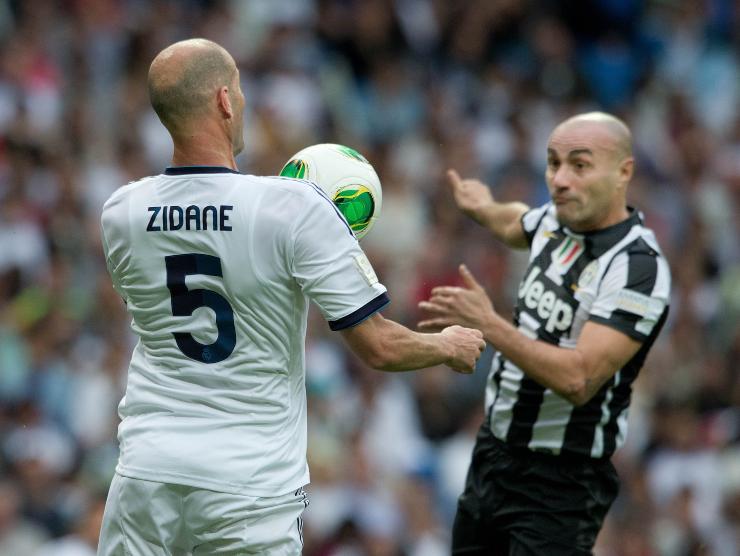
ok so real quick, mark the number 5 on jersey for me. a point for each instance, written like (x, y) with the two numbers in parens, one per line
(185, 302)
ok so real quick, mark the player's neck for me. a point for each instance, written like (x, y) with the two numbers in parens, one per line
(203, 151)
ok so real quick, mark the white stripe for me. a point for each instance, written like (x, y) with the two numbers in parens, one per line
(552, 420)
(597, 448)
(528, 325)
(502, 410)
(491, 389)
(531, 217)
(549, 224)
(622, 428)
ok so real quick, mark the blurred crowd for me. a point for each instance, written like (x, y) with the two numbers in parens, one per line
(417, 86)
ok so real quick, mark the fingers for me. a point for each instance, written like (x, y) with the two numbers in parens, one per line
(434, 306)
(445, 291)
(469, 279)
(453, 178)
(432, 325)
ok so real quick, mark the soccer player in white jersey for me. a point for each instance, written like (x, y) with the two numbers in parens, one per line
(217, 269)
(590, 305)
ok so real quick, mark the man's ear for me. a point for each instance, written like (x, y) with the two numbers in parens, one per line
(224, 102)
(626, 170)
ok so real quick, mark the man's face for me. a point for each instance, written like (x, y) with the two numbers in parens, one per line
(583, 175)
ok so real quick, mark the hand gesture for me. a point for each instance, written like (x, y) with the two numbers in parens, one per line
(467, 344)
(467, 306)
(471, 196)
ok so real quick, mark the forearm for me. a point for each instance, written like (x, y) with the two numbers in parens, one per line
(388, 346)
(504, 221)
(402, 349)
(562, 370)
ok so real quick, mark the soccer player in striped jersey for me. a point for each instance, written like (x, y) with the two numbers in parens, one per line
(217, 268)
(590, 305)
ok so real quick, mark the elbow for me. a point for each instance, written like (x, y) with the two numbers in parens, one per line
(578, 388)
(577, 397)
(578, 392)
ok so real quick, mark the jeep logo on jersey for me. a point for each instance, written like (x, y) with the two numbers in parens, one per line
(555, 313)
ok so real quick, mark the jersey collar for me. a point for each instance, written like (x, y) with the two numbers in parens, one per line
(182, 170)
(600, 241)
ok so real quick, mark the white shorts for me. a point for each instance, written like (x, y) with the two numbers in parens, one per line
(145, 518)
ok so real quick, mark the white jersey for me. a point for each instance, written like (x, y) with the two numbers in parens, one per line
(216, 269)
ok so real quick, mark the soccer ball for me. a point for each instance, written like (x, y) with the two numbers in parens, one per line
(346, 177)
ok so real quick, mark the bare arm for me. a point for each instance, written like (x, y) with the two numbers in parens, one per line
(474, 198)
(575, 374)
(388, 346)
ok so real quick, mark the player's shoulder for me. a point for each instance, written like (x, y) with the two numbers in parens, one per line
(295, 196)
(541, 217)
(121, 194)
(644, 243)
(300, 188)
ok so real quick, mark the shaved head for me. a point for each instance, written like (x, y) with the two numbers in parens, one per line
(184, 79)
(611, 125)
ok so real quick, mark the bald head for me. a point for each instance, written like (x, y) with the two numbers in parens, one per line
(184, 79)
(617, 131)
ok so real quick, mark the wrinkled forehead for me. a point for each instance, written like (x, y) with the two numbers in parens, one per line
(583, 137)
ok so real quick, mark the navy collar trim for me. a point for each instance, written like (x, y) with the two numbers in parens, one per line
(182, 170)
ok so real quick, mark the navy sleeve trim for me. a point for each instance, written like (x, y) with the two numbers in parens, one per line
(356, 317)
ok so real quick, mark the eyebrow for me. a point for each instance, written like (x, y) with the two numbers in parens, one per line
(574, 152)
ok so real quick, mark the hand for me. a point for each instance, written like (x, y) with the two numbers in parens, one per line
(468, 306)
(471, 196)
(466, 344)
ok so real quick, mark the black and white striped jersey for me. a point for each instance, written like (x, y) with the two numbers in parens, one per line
(616, 276)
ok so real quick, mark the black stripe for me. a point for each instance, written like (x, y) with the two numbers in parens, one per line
(620, 401)
(637, 247)
(579, 432)
(525, 411)
(182, 170)
(356, 317)
(622, 321)
(642, 272)
(497, 380)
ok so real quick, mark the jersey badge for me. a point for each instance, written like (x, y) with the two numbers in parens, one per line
(366, 269)
(588, 274)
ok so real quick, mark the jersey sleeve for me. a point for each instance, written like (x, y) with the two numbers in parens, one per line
(105, 222)
(633, 294)
(531, 221)
(331, 268)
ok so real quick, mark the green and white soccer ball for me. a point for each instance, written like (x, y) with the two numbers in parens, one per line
(346, 177)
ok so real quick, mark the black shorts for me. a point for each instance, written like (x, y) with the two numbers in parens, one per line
(519, 502)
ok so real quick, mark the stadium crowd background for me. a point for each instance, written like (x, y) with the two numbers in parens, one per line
(417, 86)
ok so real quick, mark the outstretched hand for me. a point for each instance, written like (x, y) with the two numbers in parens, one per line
(471, 196)
(467, 306)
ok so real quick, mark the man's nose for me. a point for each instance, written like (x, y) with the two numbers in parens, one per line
(560, 179)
